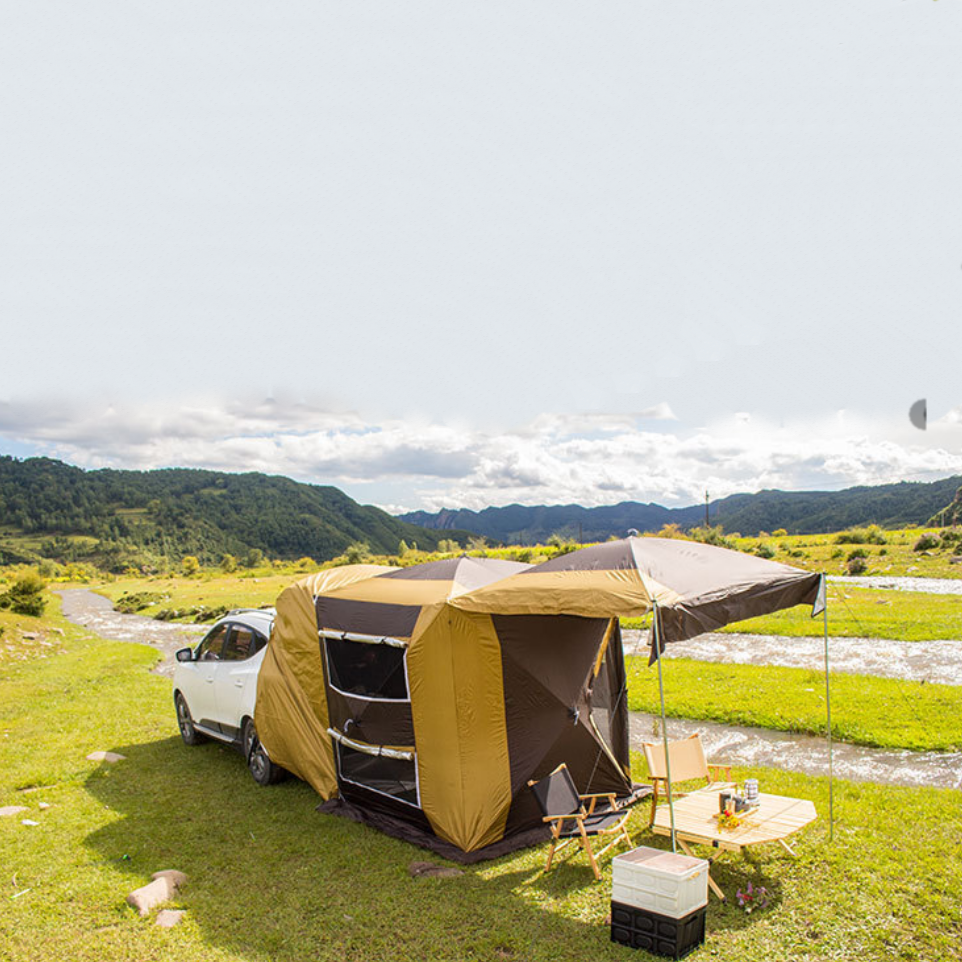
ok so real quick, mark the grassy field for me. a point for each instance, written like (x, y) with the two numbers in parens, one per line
(272, 880)
(882, 712)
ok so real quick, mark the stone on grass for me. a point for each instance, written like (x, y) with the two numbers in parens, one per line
(12, 810)
(168, 918)
(105, 757)
(433, 870)
(28, 821)
(43, 806)
(154, 893)
(29, 636)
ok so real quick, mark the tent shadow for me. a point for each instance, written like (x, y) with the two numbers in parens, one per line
(269, 877)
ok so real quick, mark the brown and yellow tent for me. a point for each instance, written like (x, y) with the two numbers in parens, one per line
(426, 720)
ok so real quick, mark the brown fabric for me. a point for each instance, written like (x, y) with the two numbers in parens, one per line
(366, 617)
(550, 691)
(370, 721)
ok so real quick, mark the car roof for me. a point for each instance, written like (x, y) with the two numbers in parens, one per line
(259, 618)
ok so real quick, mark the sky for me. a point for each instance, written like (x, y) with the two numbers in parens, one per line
(467, 254)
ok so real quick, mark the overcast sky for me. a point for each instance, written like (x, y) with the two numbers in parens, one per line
(446, 254)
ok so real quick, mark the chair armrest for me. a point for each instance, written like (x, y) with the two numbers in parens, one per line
(715, 769)
(562, 818)
(594, 800)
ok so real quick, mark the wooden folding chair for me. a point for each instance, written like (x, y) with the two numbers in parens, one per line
(564, 809)
(687, 758)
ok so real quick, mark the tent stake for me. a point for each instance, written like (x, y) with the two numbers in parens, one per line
(664, 725)
(828, 712)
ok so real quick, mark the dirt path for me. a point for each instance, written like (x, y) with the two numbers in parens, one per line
(935, 662)
(807, 754)
(932, 586)
(84, 607)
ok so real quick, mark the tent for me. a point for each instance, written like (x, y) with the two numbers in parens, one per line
(427, 719)
(689, 587)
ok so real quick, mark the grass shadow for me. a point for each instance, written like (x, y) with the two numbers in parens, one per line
(271, 878)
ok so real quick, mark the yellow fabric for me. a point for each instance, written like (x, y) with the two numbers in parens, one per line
(457, 701)
(291, 708)
(589, 593)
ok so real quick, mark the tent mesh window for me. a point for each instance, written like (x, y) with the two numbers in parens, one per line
(389, 776)
(366, 669)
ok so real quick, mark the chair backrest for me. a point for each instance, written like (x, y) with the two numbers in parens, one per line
(556, 793)
(687, 757)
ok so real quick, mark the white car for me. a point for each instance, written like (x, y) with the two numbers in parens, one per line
(215, 686)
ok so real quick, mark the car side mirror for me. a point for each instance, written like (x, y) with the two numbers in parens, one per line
(185, 654)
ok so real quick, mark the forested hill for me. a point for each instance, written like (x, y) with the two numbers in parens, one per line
(115, 518)
(799, 512)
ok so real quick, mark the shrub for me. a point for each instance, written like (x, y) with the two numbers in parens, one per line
(712, 535)
(779, 533)
(25, 595)
(228, 563)
(856, 565)
(670, 530)
(765, 551)
(926, 542)
(357, 553)
(857, 553)
(253, 558)
(448, 546)
(304, 563)
(873, 534)
(837, 553)
(189, 565)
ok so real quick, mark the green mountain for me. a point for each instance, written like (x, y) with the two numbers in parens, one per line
(799, 512)
(116, 518)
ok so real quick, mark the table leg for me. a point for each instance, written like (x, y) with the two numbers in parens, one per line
(711, 881)
(788, 848)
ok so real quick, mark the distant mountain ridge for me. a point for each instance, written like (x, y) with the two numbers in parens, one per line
(49, 509)
(799, 512)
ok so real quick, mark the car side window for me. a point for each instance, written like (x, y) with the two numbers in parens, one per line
(212, 647)
(241, 644)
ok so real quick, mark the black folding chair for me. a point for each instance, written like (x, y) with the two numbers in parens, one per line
(564, 808)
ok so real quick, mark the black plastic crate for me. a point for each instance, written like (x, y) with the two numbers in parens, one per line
(655, 933)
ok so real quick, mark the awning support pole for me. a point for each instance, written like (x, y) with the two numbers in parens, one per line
(828, 712)
(664, 723)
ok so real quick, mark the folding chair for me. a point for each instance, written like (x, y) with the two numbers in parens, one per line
(564, 808)
(687, 758)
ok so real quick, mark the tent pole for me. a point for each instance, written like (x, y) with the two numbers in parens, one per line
(664, 725)
(828, 712)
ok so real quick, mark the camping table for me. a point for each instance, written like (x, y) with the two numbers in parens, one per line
(775, 818)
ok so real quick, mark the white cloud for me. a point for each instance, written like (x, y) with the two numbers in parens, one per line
(587, 459)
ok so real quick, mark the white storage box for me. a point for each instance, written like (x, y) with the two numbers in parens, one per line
(662, 882)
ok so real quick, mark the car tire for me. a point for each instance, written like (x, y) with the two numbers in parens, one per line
(185, 722)
(262, 769)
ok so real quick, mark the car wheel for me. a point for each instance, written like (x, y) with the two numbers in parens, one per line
(185, 723)
(262, 769)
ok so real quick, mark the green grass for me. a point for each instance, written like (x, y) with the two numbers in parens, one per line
(270, 879)
(882, 712)
(861, 612)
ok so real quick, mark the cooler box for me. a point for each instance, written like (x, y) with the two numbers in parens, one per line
(662, 882)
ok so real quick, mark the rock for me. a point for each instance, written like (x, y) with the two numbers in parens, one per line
(432, 870)
(43, 806)
(168, 918)
(57, 631)
(160, 890)
(29, 636)
(28, 821)
(956, 559)
(105, 757)
(12, 810)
